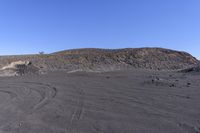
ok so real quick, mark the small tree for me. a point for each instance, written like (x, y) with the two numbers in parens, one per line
(41, 53)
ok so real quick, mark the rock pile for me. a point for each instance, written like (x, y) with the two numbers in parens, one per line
(19, 68)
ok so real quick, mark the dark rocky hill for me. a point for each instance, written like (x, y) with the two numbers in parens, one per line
(108, 59)
(147, 58)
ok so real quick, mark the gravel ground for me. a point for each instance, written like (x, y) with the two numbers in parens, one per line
(134, 101)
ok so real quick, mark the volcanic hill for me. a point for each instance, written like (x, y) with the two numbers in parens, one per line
(92, 59)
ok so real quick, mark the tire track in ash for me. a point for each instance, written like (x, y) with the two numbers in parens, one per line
(78, 112)
(11, 94)
(23, 91)
(47, 93)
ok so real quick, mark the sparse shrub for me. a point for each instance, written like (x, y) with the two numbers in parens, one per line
(41, 52)
(162, 58)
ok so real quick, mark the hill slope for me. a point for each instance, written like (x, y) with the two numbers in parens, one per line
(148, 58)
(108, 59)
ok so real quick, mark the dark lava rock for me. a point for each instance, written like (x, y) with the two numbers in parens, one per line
(172, 85)
(195, 68)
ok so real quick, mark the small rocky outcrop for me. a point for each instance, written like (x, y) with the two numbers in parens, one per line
(19, 68)
(195, 68)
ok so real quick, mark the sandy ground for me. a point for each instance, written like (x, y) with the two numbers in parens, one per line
(135, 101)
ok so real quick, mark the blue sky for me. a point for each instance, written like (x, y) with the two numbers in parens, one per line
(30, 26)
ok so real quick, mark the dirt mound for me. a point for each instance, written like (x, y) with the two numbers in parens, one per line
(17, 64)
(19, 68)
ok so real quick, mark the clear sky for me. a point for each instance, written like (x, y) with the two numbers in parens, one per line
(30, 26)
